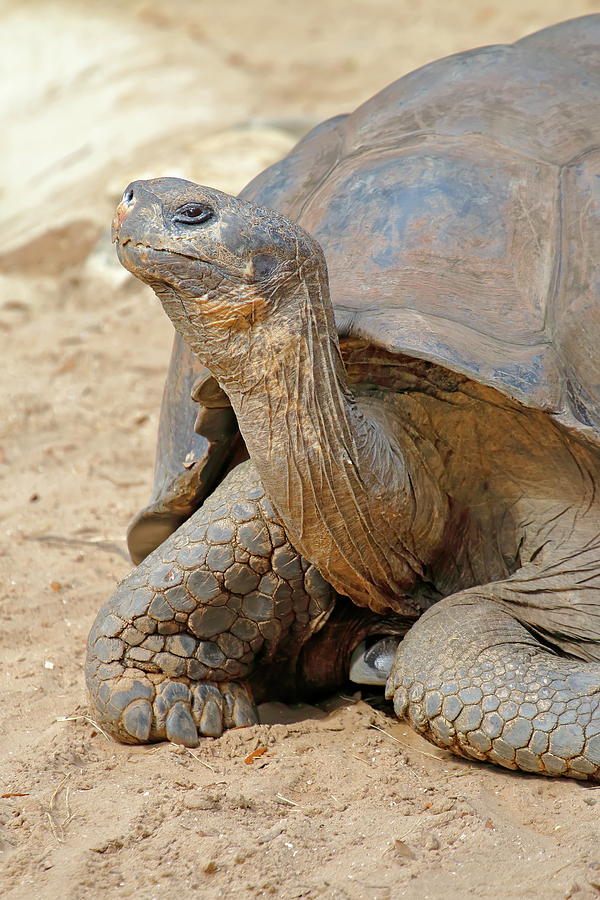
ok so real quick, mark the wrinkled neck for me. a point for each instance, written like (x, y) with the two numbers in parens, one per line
(336, 479)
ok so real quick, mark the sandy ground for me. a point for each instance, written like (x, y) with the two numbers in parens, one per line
(344, 802)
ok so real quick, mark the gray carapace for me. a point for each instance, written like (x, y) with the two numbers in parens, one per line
(446, 206)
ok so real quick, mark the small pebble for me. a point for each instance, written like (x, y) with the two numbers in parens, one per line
(432, 842)
(198, 800)
(273, 832)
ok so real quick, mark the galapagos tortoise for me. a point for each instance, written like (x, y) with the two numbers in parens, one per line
(424, 464)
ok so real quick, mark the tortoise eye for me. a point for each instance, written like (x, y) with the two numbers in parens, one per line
(193, 213)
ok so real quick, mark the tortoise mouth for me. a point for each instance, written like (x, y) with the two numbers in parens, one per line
(139, 256)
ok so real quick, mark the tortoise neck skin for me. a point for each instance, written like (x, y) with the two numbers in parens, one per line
(248, 291)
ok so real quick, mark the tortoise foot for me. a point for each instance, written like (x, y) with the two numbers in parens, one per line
(471, 679)
(169, 652)
(136, 709)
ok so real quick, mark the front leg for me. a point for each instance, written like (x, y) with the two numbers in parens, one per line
(473, 680)
(169, 653)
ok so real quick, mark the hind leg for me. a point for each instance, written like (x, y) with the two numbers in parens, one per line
(169, 654)
(472, 679)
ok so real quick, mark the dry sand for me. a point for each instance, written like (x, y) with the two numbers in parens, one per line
(345, 802)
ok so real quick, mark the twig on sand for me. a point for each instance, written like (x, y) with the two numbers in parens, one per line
(58, 828)
(110, 546)
(404, 744)
(87, 719)
(201, 761)
(285, 800)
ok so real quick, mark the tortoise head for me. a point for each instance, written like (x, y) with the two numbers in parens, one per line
(221, 267)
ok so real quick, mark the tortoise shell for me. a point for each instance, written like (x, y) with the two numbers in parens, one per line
(459, 213)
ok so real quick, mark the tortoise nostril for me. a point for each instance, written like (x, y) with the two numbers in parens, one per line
(128, 195)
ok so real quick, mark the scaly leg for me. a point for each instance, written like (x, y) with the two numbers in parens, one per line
(472, 679)
(168, 653)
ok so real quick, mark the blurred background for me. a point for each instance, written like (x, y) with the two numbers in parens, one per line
(95, 93)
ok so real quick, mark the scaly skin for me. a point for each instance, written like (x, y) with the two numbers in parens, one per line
(168, 652)
(471, 679)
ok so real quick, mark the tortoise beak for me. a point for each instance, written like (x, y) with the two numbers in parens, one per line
(118, 221)
(124, 207)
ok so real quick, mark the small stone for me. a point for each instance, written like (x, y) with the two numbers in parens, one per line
(272, 833)
(200, 800)
(402, 851)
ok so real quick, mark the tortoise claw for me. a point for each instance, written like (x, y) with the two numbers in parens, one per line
(180, 727)
(137, 720)
(137, 711)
